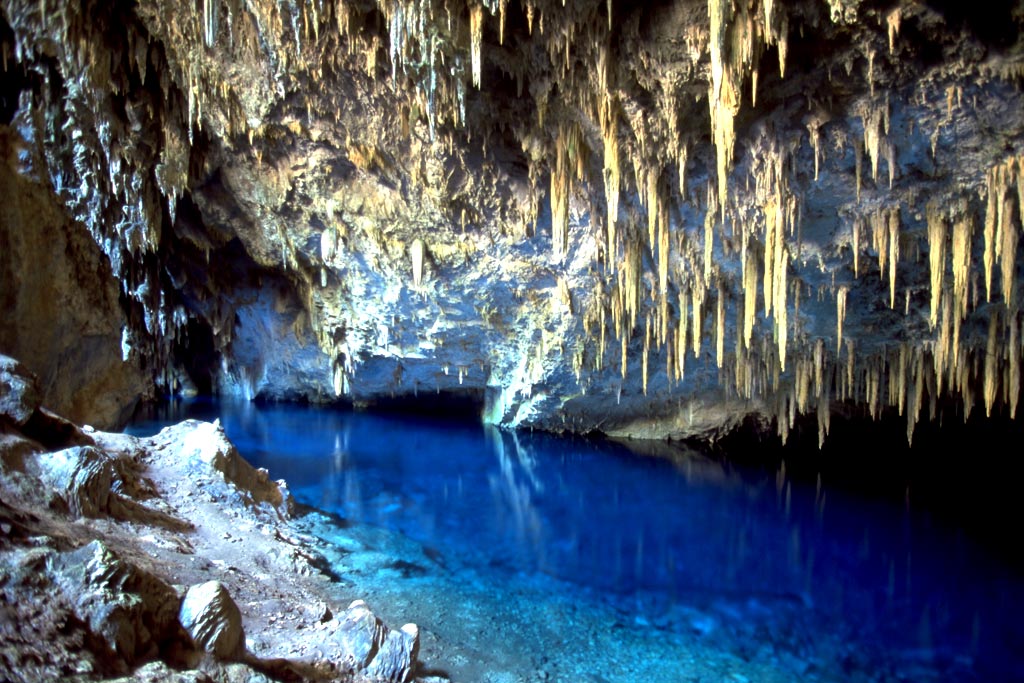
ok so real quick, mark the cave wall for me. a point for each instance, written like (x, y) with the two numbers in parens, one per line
(59, 302)
(652, 219)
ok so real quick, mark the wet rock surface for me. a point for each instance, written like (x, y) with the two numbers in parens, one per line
(169, 558)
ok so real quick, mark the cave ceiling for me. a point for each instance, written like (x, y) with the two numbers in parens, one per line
(649, 219)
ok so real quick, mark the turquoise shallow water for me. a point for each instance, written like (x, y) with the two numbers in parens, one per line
(556, 558)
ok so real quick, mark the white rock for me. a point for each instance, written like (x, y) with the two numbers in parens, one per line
(213, 619)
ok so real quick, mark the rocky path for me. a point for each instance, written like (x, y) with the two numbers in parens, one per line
(164, 559)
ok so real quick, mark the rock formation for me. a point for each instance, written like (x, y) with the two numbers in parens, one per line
(649, 219)
(112, 564)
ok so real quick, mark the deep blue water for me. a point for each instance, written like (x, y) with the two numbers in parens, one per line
(799, 563)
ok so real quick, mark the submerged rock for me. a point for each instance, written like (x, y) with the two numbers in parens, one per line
(213, 620)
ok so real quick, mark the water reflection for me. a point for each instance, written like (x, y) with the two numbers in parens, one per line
(513, 487)
(678, 540)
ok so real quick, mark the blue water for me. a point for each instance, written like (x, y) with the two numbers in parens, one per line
(902, 597)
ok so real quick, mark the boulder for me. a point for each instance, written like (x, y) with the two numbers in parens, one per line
(129, 609)
(212, 618)
(84, 475)
(373, 649)
(19, 391)
(397, 655)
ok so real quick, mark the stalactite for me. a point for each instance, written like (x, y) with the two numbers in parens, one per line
(991, 219)
(893, 22)
(781, 311)
(645, 353)
(857, 227)
(840, 316)
(720, 329)
(683, 154)
(1014, 352)
(681, 334)
(210, 19)
(697, 299)
(561, 187)
(709, 226)
(873, 123)
(824, 418)
(1008, 256)
(724, 96)
(663, 264)
(936, 257)
(612, 174)
(476, 33)
(652, 207)
(772, 215)
(871, 72)
(991, 363)
(749, 295)
(943, 351)
(417, 251)
(814, 129)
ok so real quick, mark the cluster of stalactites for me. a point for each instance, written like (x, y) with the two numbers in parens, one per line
(739, 32)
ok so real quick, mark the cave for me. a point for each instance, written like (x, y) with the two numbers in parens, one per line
(592, 341)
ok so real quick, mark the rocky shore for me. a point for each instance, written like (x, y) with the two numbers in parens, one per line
(164, 559)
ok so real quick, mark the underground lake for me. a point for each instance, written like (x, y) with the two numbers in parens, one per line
(532, 556)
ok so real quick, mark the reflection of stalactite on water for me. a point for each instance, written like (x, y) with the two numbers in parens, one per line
(513, 488)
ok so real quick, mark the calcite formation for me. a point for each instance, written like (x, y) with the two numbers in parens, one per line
(648, 219)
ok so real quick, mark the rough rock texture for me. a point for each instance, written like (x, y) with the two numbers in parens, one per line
(649, 219)
(384, 654)
(19, 391)
(59, 307)
(100, 542)
(213, 619)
